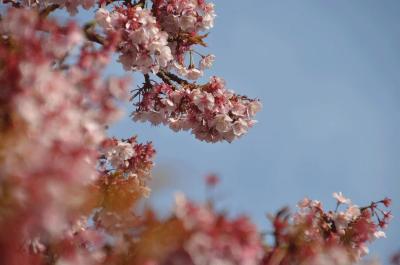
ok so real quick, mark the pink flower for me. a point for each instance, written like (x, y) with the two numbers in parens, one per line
(240, 127)
(387, 202)
(340, 198)
(212, 180)
(119, 154)
(193, 74)
(304, 203)
(222, 123)
(103, 18)
(187, 16)
(203, 100)
(144, 46)
(379, 234)
(207, 61)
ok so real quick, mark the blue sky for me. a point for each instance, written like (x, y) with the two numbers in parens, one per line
(327, 73)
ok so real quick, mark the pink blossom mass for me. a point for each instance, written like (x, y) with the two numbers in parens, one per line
(72, 194)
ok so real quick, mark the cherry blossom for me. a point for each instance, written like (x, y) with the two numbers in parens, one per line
(129, 159)
(219, 240)
(210, 111)
(340, 198)
(55, 112)
(206, 62)
(72, 194)
(187, 15)
(324, 237)
(72, 5)
(143, 44)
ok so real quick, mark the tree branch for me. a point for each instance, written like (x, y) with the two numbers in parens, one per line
(91, 35)
(164, 78)
(45, 12)
(176, 78)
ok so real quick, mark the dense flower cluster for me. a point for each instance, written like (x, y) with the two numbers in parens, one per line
(314, 236)
(211, 111)
(52, 127)
(129, 160)
(190, 16)
(196, 234)
(160, 38)
(54, 113)
(70, 5)
(143, 46)
(156, 42)
(184, 20)
(214, 239)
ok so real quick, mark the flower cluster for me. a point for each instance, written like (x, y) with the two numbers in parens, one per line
(211, 111)
(189, 16)
(143, 44)
(160, 38)
(54, 113)
(70, 5)
(214, 239)
(184, 20)
(192, 72)
(129, 160)
(196, 234)
(315, 236)
(156, 42)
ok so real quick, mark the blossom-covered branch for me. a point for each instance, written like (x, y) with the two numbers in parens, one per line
(159, 41)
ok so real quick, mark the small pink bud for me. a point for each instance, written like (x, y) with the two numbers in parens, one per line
(387, 202)
(212, 180)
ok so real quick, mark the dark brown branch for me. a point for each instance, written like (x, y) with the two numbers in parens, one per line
(13, 3)
(164, 78)
(45, 12)
(147, 80)
(175, 78)
(142, 3)
(91, 35)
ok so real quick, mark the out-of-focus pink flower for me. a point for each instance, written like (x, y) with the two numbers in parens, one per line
(212, 180)
(341, 198)
(207, 61)
(387, 202)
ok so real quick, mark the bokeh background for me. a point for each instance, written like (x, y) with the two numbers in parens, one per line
(328, 74)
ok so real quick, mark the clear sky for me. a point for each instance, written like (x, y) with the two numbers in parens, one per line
(328, 74)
